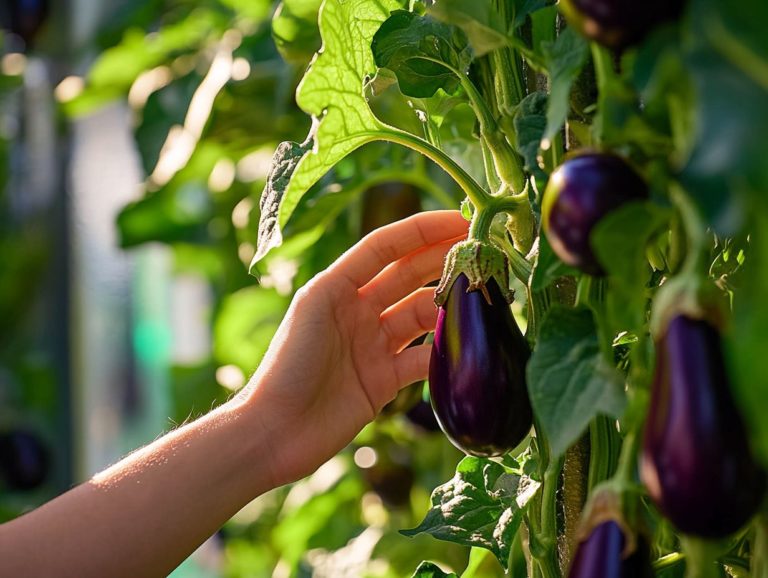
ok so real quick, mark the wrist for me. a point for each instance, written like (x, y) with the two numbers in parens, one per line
(258, 454)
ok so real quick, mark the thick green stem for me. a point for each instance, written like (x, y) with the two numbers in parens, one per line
(701, 558)
(479, 197)
(483, 219)
(507, 163)
(605, 446)
(480, 228)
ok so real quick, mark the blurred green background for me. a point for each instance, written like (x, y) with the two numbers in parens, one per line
(135, 139)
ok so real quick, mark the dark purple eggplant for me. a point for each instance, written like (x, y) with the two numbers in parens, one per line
(582, 191)
(388, 202)
(392, 482)
(601, 555)
(618, 24)
(477, 372)
(696, 461)
(26, 17)
(24, 460)
(423, 416)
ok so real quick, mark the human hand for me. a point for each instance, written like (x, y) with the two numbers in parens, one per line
(340, 353)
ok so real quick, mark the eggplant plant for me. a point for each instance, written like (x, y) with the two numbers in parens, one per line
(609, 156)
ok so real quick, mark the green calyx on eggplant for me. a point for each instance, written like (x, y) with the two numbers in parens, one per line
(477, 378)
(580, 193)
(603, 553)
(696, 462)
(606, 546)
(479, 262)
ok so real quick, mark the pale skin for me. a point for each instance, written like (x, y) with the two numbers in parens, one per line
(338, 357)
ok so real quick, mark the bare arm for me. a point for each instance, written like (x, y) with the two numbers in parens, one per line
(338, 357)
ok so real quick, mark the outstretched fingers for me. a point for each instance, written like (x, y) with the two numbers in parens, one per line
(405, 275)
(410, 318)
(412, 364)
(388, 244)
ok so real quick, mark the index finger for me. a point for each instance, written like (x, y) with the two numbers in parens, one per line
(383, 246)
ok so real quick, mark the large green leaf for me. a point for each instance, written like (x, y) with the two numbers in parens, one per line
(295, 31)
(332, 93)
(619, 241)
(564, 59)
(568, 380)
(425, 54)
(729, 68)
(482, 506)
(487, 24)
(530, 123)
(245, 325)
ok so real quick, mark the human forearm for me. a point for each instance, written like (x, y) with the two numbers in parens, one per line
(147, 513)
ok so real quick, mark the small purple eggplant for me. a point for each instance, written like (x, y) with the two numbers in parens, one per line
(422, 416)
(696, 461)
(27, 17)
(477, 371)
(618, 24)
(580, 193)
(602, 555)
(24, 460)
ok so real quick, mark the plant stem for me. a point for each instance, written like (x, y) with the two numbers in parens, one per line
(477, 195)
(507, 163)
(480, 227)
(701, 558)
(696, 259)
(483, 219)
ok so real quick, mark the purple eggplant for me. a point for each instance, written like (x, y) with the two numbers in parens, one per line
(580, 193)
(24, 460)
(422, 416)
(26, 17)
(477, 372)
(618, 24)
(696, 461)
(602, 555)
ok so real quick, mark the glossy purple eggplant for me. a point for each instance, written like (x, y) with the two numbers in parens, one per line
(24, 460)
(579, 194)
(601, 555)
(618, 24)
(696, 461)
(477, 372)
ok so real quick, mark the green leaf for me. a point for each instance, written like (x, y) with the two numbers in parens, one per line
(729, 68)
(295, 30)
(481, 506)
(424, 54)
(619, 241)
(245, 325)
(530, 123)
(748, 341)
(568, 380)
(332, 92)
(525, 8)
(548, 267)
(480, 21)
(486, 23)
(430, 570)
(118, 67)
(564, 58)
